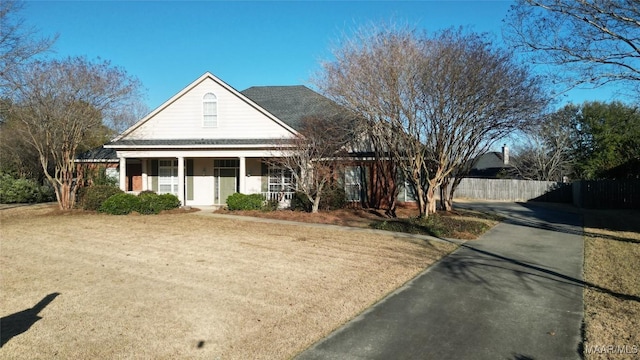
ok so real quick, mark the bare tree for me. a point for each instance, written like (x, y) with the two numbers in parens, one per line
(441, 99)
(315, 155)
(16, 156)
(595, 41)
(547, 150)
(60, 106)
(376, 74)
(18, 42)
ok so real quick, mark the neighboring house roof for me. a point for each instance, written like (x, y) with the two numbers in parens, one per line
(292, 104)
(98, 155)
(489, 160)
(489, 165)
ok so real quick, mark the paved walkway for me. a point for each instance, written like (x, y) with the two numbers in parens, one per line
(514, 294)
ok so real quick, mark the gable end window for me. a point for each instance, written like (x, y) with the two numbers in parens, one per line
(209, 110)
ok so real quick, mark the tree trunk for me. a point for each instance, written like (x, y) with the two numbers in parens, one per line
(422, 203)
(448, 203)
(315, 205)
(431, 203)
(65, 197)
(391, 211)
(446, 197)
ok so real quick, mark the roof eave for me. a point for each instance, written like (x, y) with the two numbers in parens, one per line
(212, 147)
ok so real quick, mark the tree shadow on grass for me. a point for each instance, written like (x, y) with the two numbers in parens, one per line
(18, 323)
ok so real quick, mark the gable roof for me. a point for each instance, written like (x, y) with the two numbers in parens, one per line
(490, 165)
(292, 104)
(489, 160)
(188, 88)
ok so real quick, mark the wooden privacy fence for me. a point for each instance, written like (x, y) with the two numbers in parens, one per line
(597, 194)
(607, 194)
(514, 190)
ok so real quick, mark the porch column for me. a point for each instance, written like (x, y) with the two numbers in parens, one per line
(145, 186)
(181, 180)
(123, 173)
(243, 175)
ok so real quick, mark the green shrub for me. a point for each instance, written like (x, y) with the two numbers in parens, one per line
(152, 203)
(168, 201)
(240, 201)
(300, 202)
(271, 205)
(148, 203)
(332, 198)
(92, 197)
(120, 204)
(22, 190)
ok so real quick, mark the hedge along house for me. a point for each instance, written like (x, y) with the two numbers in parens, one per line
(210, 141)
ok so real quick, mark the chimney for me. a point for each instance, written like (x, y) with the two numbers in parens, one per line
(505, 154)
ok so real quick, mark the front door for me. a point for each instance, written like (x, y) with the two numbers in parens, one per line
(225, 172)
(227, 184)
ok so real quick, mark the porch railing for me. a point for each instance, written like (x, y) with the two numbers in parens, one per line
(279, 196)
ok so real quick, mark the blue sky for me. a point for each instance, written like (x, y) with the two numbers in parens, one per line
(168, 44)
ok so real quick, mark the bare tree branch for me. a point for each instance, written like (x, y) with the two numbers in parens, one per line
(18, 41)
(587, 42)
(315, 156)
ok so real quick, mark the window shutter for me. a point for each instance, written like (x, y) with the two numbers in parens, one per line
(264, 172)
(154, 175)
(189, 179)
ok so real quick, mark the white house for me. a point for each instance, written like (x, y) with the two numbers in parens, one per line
(210, 141)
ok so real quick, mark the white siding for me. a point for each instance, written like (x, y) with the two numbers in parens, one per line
(254, 180)
(183, 118)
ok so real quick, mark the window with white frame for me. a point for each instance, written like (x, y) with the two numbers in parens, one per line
(352, 182)
(168, 177)
(209, 110)
(280, 179)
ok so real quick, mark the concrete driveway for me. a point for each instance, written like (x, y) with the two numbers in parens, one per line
(514, 294)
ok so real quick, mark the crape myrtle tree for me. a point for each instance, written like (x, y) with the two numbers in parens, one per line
(60, 106)
(594, 42)
(315, 155)
(440, 99)
(376, 74)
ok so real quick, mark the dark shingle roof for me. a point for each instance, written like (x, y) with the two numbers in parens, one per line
(99, 154)
(291, 104)
(489, 160)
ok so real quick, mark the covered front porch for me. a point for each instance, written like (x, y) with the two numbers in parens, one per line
(205, 181)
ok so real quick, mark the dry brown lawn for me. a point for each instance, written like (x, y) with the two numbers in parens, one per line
(186, 286)
(612, 262)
